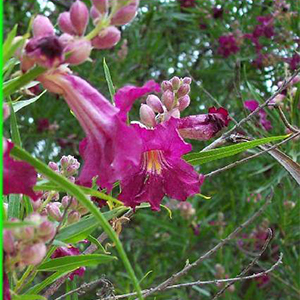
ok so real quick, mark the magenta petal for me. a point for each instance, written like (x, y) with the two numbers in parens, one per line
(251, 104)
(126, 96)
(111, 147)
(18, 176)
(6, 292)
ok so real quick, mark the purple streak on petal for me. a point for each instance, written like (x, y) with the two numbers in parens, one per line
(18, 176)
(126, 96)
(6, 292)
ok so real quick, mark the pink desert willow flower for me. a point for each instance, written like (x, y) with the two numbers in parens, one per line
(227, 45)
(110, 146)
(18, 176)
(205, 126)
(161, 170)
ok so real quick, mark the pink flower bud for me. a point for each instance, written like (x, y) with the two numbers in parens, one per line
(33, 255)
(42, 26)
(168, 99)
(79, 15)
(79, 51)
(183, 90)
(64, 161)
(101, 5)
(46, 231)
(8, 241)
(107, 39)
(175, 82)
(71, 170)
(125, 14)
(6, 111)
(54, 212)
(184, 102)
(52, 165)
(65, 24)
(147, 115)
(18, 52)
(73, 217)
(166, 85)
(187, 80)
(26, 233)
(26, 63)
(155, 103)
(82, 210)
(94, 13)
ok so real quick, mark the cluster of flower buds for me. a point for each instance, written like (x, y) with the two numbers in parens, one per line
(73, 46)
(175, 98)
(77, 210)
(25, 246)
(187, 211)
(220, 274)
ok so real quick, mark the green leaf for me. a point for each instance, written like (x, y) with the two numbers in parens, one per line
(17, 83)
(20, 104)
(70, 263)
(109, 81)
(8, 43)
(215, 154)
(97, 243)
(12, 225)
(28, 205)
(15, 134)
(80, 230)
(13, 210)
(28, 297)
(73, 190)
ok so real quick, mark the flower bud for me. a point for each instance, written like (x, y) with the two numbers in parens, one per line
(54, 212)
(175, 113)
(6, 111)
(166, 85)
(147, 115)
(19, 50)
(79, 16)
(101, 5)
(125, 14)
(52, 165)
(289, 204)
(42, 27)
(107, 39)
(79, 51)
(183, 90)
(46, 231)
(26, 233)
(33, 255)
(26, 63)
(94, 13)
(168, 99)
(175, 82)
(8, 241)
(73, 217)
(187, 80)
(184, 102)
(82, 210)
(65, 24)
(155, 103)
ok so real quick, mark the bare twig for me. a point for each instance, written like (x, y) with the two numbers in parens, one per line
(249, 267)
(221, 139)
(199, 282)
(189, 266)
(234, 164)
(285, 121)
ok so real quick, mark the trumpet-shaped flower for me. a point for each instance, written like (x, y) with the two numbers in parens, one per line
(161, 171)
(205, 126)
(110, 147)
(18, 176)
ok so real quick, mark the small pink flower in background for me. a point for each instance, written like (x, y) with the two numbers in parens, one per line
(187, 3)
(161, 171)
(69, 251)
(263, 280)
(228, 45)
(18, 176)
(265, 28)
(252, 105)
(294, 61)
(217, 12)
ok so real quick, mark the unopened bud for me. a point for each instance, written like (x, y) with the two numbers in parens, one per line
(6, 111)
(175, 82)
(65, 23)
(107, 39)
(79, 51)
(33, 255)
(94, 13)
(147, 115)
(187, 80)
(54, 212)
(175, 113)
(184, 102)
(79, 16)
(183, 90)
(26, 233)
(166, 85)
(42, 26)
(52, 165)
(219, 270)
(73, 217)
(289, 204)
(26, 63)
(82, 210)
(46, 231)
(101, 5)
(168, 99)
(155, 103)
(8, 241)
(125, 14)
